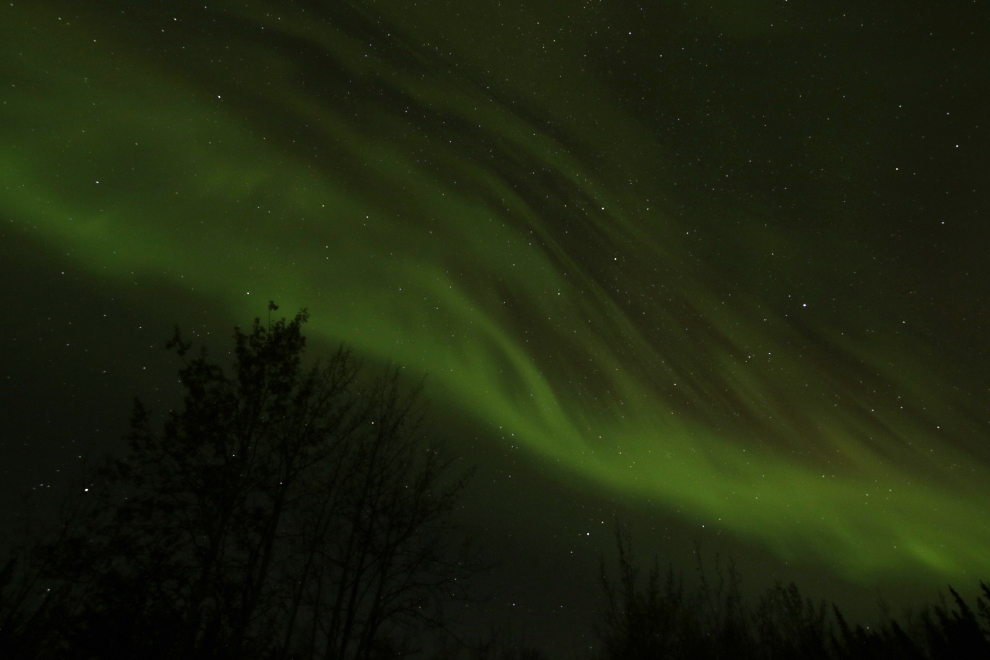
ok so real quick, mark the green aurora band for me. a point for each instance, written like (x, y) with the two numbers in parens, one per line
(500, 222)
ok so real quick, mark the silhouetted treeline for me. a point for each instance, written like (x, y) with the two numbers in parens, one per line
(289, 513)
(656, 616)
(282, 513)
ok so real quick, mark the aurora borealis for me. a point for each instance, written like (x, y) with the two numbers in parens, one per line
(726, 261)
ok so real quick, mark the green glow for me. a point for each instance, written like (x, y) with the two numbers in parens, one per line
(573, 314)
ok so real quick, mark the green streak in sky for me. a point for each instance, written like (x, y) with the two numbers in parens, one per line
(503, 223)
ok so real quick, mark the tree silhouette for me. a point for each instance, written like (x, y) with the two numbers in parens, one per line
(282, 512)
(654, 619)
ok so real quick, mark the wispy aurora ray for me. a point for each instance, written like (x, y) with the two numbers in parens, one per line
(508, 230)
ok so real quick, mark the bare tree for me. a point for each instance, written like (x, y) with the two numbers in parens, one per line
(282, 512)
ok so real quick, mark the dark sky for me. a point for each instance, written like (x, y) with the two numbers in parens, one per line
(718, 269)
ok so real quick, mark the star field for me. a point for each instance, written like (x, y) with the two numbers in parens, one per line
(722, 263)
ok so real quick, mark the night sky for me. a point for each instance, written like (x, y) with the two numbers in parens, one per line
(718, 269)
